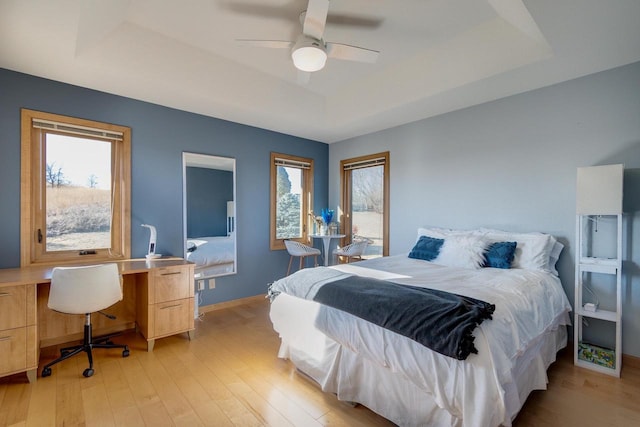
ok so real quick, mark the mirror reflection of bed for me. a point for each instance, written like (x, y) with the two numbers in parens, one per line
(209, 212)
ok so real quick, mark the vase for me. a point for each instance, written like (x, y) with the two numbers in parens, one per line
(333, 228)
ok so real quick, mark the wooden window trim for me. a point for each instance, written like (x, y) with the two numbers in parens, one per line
(32, 194)
(307, 199)
(345, 197)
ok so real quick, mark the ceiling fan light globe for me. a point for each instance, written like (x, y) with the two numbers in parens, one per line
(309, 58)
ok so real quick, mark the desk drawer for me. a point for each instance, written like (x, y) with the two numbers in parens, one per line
(13, 307)
(171, 283)
(173, 317)
(13, 348)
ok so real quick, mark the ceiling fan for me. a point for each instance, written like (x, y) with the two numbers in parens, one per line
(309, 51)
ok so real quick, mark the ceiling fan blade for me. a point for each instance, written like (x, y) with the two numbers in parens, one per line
(315, 18)
(303, 77)
(354, 21)
(290, 12)
(351, 53)
(274, 44)
(261, 10)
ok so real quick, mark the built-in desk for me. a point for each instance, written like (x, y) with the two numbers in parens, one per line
(158, 302)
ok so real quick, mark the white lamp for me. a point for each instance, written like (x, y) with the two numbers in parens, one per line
(599, 190)
(231, 226)
(309, 54)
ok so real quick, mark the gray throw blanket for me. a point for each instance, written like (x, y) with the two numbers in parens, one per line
(439, 320)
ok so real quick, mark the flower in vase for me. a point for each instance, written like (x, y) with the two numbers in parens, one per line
(327, 215)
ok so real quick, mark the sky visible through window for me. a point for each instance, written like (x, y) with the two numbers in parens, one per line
(79, 158)
(295, 177)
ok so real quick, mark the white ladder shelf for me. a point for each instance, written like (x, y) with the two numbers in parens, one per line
(586, 266)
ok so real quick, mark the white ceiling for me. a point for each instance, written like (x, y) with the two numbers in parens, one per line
(435, 55)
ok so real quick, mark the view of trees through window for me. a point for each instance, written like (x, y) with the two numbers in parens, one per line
(288, 204)
(367, 207)
(78, 193)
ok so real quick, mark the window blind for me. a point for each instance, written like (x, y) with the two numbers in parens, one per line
(378, 161)
(292, 163)
(77, 130)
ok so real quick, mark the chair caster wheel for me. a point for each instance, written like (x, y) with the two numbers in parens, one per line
(88, 372)
(125, 353)
(46, 372)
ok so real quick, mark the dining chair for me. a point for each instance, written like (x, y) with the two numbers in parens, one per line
(354, 250)
(297, 249)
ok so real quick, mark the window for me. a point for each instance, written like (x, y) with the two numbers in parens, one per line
(291, 198)
(365, 200)
(75, 189)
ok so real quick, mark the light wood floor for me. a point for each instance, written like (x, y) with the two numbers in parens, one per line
(230, 375)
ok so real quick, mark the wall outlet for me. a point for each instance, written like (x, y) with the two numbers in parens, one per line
(212, 283)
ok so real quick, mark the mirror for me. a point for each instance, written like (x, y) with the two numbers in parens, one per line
(209, 212)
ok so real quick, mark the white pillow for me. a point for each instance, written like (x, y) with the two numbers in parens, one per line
(440, 233)
(554, 256)
(462, 250)
(533, 250)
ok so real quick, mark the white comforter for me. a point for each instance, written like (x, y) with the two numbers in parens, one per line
(528, 303)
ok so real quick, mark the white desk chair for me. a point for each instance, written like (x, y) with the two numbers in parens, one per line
(353, 250)
(300, 250)
(85, 290)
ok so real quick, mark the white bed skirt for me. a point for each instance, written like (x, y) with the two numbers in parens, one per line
(214, 270)
(352, 377)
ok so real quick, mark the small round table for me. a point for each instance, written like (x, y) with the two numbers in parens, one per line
(326, 243)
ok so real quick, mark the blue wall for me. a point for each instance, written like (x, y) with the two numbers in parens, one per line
(208, 191)
(159, 136)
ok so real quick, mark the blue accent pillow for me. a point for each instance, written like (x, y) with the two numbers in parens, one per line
(427, 248)
(500, 254)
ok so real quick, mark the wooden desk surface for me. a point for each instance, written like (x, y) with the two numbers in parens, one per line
(42, 274)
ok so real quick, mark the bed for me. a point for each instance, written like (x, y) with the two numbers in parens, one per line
(213, 255)
(407, 382)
